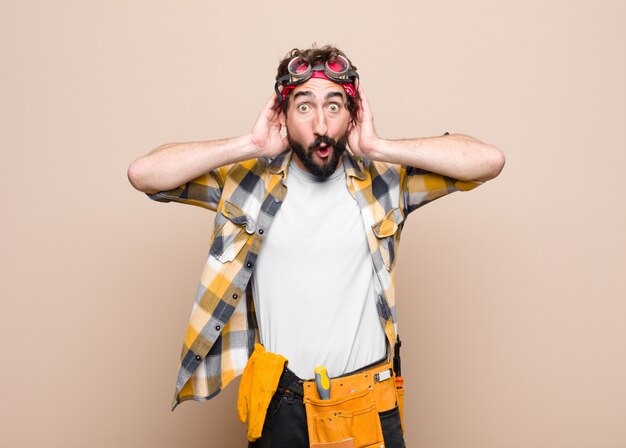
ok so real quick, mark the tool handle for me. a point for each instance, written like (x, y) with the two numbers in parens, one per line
(323, 382)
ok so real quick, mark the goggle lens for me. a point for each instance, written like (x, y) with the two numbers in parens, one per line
(298, 68)
(338, 66)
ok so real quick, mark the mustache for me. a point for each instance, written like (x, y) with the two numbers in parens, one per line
(322, 139)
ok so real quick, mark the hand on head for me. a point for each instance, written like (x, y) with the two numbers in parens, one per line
(266, 135)
(362, 134)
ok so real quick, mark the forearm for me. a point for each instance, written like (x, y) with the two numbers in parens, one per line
(174, 164)
(459, 156)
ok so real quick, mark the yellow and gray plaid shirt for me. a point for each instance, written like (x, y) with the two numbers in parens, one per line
(246, 196)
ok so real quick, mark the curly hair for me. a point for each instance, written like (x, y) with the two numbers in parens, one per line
(315, 56)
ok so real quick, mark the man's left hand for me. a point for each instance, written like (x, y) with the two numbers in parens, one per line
(362, 137)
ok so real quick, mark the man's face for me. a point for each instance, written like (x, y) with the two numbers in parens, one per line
(317, 124)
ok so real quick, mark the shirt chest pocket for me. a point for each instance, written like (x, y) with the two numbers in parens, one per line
(232, 229)
(387, 232)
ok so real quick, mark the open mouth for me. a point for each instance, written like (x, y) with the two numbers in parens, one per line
(323, 151)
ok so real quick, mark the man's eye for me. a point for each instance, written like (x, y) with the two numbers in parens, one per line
(334, 107)
(303, 107)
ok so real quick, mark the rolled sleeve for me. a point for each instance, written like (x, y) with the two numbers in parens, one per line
(419, 187)
(204, 191)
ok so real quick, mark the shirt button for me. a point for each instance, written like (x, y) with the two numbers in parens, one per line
(248, 265)
(198, 357)
(261, 231)
(235, 296)
(217, 327)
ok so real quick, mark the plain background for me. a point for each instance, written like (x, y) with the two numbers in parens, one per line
(511, 297)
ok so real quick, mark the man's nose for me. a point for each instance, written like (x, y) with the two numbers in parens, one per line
(319, 125)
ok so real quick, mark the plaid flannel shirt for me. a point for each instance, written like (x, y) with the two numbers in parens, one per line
(246, 196)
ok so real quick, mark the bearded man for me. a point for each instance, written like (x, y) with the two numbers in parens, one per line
(298, 289)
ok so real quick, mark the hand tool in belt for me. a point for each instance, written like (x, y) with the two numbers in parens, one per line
(323, 382)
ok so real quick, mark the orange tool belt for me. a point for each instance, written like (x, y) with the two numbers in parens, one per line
(350, 417)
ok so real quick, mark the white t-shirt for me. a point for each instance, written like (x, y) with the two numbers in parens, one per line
(313, 283)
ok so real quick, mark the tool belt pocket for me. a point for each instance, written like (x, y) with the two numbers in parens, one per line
(353, 416)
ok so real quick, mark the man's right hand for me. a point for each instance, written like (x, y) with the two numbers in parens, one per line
(266, 134)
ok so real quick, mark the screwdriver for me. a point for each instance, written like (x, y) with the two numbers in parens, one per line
(323, 382)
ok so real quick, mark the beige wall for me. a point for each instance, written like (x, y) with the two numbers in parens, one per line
(511, 297)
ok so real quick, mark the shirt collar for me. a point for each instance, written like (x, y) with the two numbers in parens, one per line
(353, 166)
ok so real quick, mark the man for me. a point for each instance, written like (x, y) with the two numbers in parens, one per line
(301, 267)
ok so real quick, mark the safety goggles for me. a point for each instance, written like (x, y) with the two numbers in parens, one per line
(299, 71)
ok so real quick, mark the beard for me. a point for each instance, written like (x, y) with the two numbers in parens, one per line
(328, 166)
